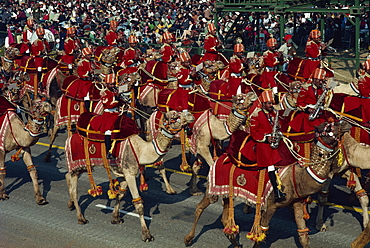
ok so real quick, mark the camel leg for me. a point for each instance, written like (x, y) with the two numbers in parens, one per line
(27, 159)
(265, 220)
(224, 219)
(53, 136)
(72, 182)
(162, 171)
(116, 219)
(363, 239)
(139, 207)
(3, 195)
(361, 195)
(201, 206)
(194, 190)
(301, 224)
(322, 200)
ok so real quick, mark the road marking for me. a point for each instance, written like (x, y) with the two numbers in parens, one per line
(356, 209)
(122, 211)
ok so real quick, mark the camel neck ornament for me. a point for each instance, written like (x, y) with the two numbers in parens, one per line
(36, 120)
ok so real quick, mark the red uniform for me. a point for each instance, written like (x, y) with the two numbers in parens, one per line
(236, 68)
(270, 61)
(111, 37)
(39, 47)
(210, 45)
(307, 95)
(167, 53)
(184, 77)
(261, 124)
(27, 34)
(313, 53)
(84, 69)
(130, 56)
(106, 121)
(71, 46)
(363, 103)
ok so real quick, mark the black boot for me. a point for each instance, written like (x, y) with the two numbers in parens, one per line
(87, 105)
(279, 196)
(39, 77)
(108, 145)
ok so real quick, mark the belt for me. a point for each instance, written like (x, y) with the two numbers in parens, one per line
(87, 79)
(271, 68)
(236, 74)
(313, 58)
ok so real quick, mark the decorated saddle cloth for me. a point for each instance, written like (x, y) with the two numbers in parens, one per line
(123, 127)
(77, 89)
(71, 109)
(243, 181)
(7, 113)
(200, 120)
(79, 150)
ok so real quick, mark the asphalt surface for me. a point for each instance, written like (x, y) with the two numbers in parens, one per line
(25, 224)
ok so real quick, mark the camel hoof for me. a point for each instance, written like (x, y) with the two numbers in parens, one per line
(171, 192)
(83, 222)
(4, 197)
(148, 238)
(323, 228)
(196, 192)
(188, 240)
(42, 201)
(71, 205)
(117, 221)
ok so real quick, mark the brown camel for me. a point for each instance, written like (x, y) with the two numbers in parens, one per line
(218, 130)
(298, 182)
(141, 153)
(355, 159)
(22, 136)
(125, 84)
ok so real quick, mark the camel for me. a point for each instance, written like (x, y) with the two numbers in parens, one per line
(298, 182)
(363, 239)
(18, 135)
(289, 102)
(138, 153)
(218, 130)
(125, 84)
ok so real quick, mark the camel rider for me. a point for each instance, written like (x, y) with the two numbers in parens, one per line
(131, 56)
(85, 71)
(39, 48)
(211, 44)
(261, 129)
(236, 68)
(71, 47)
(306, 101)
(105, 122)
(28, 30)
(314, 50)
(271, 60)
(288, 50)
(168, 51)
(111, 37)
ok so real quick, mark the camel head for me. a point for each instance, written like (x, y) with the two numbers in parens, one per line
(152, 54)
(175, 120)
(127, 81)
(40, 109)
(243, 102)
(109, 56)
(331, 132)
(12, 53)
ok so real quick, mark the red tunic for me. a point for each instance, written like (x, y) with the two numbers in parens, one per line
(84, 68)
(236, 68)
(39, 47)
(27, 33)
(210, 45)
(111, 37)
(300, 122)
(363, 103)
(183, 76)
(71, 45)
(261, 124)
(167, 53)
(270, 61)
(129, 56)
(313, 53)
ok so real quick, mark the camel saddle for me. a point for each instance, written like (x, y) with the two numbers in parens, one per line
(123, 128)
(77, 89)
(6, 106)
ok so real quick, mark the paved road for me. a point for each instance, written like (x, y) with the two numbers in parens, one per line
(25, 224)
